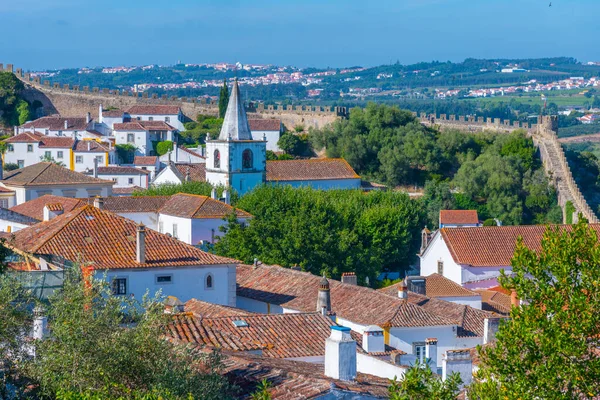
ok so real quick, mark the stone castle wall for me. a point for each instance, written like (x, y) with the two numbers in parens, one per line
(76, 101)
(473, 124)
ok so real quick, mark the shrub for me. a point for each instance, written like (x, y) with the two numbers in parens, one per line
(10, 166)
(163, 148)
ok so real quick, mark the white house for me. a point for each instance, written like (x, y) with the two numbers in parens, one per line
(123, 177)
(108, 118)
(12, 221)
(406, 322)
(35, 208)
(49, 178)
(184, 155)
(179, 173)
(134, 259)
(147, 163)
(459, 219)
(269, 128)
(29, 148)
(72, 127)
(474, 257)
(86, 151)
(142, 134)
(171, 115)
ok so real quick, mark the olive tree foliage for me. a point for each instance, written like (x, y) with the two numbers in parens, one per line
(420, 383)
(107, 346)
(548, 349)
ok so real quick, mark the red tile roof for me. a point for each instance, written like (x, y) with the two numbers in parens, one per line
(94, 147)
(493, 301)
(35, 208)
(314, 169)
(436, 285)
(298, 290)
(145, 160)
(452, 217)
(277, 335)
(265, 124)
(48, 173)
(493, 246)
(60, 142)
(154, 110)
(125, 191)
(43, 140)
(107, 241)
(117, 170)
(195, 206)
(197, 171)
(25, 137)
(143, 126)
(112, 113)
(135, 203)
(55, 123)
(205, 309)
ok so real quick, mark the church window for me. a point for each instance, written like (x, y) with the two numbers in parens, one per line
(209, 282)
(217, 159)
(247, 159)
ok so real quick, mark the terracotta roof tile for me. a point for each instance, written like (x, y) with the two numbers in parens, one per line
(191, 152)
(451, 217)
(298, 290)
(145, 160)
(55, 123)
(25, 137)
(82, 146)
(493, 246)
(493, 301)
(48, 173)
(205, 309)
(143, 126)
(195, 206)
(60, 142)
(135, 203)
(35, 208)
(436, 285)
(314, 169)
(117, 170)
(107, 241)
(265, 124)
(197, 171)
(125, 191)
(112, 113)
(158, 109)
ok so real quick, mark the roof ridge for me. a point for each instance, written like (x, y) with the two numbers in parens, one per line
(200, 206)
(48, 164)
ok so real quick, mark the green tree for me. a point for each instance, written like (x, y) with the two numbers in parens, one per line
(262, 391)
(200, 188)
(10, 166)
(113, 347)
(438, 196)
(52, 160)
(223, 99)
(24, 112)
(290, 143)
(126, 152)
(420, 383)
(10, 88)
(554, 333)
(163, 148)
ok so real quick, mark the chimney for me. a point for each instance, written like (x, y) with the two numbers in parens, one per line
(403, 290)
(88, 118)
(187, 175)
(1, 167)
(16, 130)
(431, 352)
(372, 339)
(52, 210)
(89, 145)
(323, 297)
(490, 328)
(514, 300)
(458, 361)
(213, 193)
(349, 278)
(40, 323)
(100, 114)
(95, 167)
(99, 202)
(66, 124)
(141, 244)
(226, 196)
(340, 354)
(173, 305)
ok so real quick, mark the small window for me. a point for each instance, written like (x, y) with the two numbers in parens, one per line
(79, 159)
(59, 154)
(441, 267)
(161, 226)
(10, 147)
(150, 118)
(130, 138)
(100, 159)
(115, 180)
(30, 148)
(130, 181)
(119, 286)
(4, 203)
(47, 154)
(161, 279)
(247, 159)
(167, 119)
(175, 230)
(208, 284)
(217, 163)
(21, 163)
(60, 133)
(419, 351)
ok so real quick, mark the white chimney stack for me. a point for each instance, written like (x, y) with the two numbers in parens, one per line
(431, 352)
(458, 361)
(95, 167)
(340, 354)
(226, 196)
(100, 114)
(40, 323)
(349, 278)
(490, 327)
(52, 210)
(373, 340)
(66, 124)
(141, 244)
(89, 145)
(213, 193)
(323, 296)
(88, 118)
(99, 202)
(403, 290)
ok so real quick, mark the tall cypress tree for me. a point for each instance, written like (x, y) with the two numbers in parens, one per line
(223, 99)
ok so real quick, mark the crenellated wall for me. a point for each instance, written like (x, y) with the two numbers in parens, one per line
(472, 124)
(78, 100)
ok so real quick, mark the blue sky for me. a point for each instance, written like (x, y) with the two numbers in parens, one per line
(41, 34)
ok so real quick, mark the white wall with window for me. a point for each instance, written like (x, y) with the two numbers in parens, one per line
(175, 120)
(214, 284)
(26, 154)
(84, 160)
(126, 180)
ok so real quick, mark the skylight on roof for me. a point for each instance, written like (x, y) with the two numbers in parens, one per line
(89, 217)
(240, 323)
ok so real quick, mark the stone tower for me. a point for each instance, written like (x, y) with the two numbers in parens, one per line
(235, 159)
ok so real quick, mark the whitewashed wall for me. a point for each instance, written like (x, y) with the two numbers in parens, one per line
(438, 251)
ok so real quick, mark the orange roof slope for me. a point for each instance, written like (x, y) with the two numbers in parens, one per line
(107, 241)
(158, 109)
(264, 124)
(35, 208)
(145, 160)
(493, 246)
(195, 206)
(25, 137)
(48, 173)
(134, 203)
(142, 126)
(56, 123)
(436, 285)
(314, 169)
(197, 171)
(452, 217)
(210, 310)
